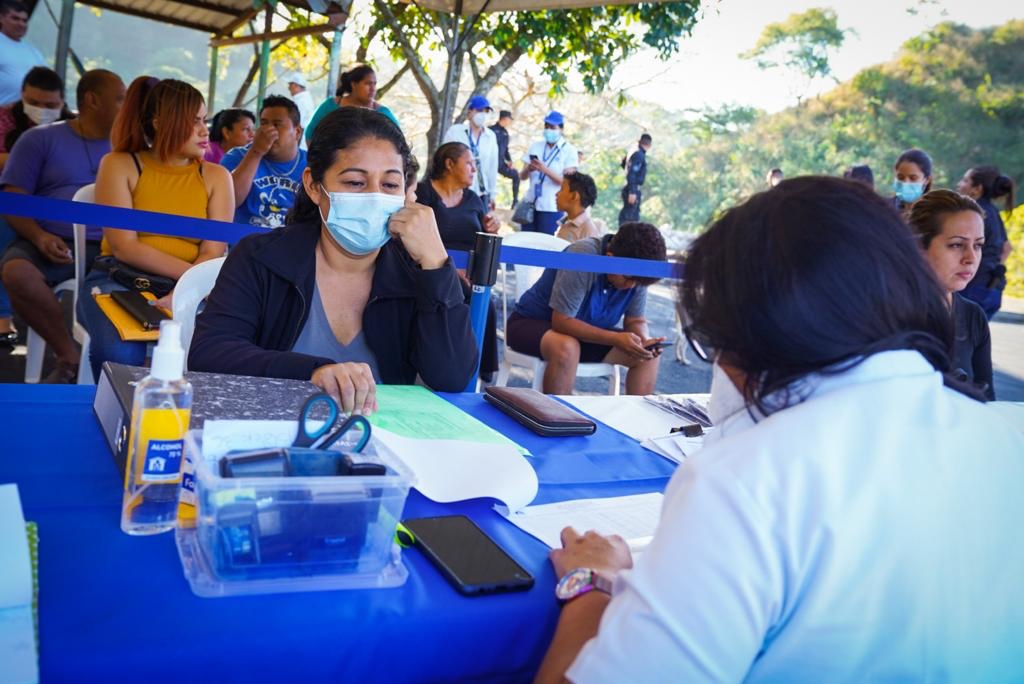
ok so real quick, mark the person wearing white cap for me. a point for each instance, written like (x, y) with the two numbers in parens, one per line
(548, 161)
(298, 87)
(483, 144)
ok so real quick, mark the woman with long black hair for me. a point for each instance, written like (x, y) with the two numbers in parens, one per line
(357, 288)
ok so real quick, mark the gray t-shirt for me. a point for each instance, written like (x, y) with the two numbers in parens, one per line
(571, 287)
(317, 339)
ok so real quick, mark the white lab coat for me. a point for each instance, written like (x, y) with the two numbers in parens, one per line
(870, 533)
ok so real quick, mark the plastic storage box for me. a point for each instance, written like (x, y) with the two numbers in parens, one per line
(279, 534)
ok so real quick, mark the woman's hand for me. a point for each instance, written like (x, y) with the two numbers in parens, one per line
(350, 384)
(415, 225)
(166, 303)
(605, 555)
(491, 224)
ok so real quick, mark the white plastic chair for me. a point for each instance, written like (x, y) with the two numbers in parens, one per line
(193, 287)
(35, 346)
(526, 277)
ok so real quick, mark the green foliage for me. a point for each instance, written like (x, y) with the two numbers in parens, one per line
(955, 92)
(801, 42)
(1015, 265)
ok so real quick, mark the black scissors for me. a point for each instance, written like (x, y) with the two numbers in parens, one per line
(316, 439)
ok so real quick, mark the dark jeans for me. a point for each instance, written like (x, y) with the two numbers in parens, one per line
(989, 299)
(544, 222)
(630, 212)
(105, 344)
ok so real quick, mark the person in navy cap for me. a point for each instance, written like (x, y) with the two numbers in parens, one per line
(548, 161)
(483, 144)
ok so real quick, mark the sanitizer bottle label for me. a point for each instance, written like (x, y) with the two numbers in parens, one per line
(162, 462)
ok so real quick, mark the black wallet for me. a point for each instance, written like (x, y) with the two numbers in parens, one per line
(139, 307)
(539, 412)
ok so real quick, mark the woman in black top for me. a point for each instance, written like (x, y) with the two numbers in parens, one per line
(952, 232)
(460, 216)
(984, 184)
(459, 211)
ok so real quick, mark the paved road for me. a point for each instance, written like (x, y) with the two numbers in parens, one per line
(1007, 353)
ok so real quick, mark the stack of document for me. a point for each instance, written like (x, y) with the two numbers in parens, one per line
(634, 518)
(676, 447)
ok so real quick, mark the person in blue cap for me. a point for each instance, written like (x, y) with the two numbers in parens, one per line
(548, 161)
(483, 145)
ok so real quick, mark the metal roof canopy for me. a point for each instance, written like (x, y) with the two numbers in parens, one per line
(220, 18)
(468, 8)
(217, 17)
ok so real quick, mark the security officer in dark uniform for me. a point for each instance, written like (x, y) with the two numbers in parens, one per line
(504, 158)
(636, 174)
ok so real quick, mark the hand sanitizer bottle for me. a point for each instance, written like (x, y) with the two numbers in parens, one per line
(160, 414)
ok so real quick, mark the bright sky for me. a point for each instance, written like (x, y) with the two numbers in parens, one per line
(708, 72)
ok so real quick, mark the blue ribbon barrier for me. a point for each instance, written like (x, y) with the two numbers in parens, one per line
(68, 211)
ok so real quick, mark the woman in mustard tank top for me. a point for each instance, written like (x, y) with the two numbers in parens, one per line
(158, 141)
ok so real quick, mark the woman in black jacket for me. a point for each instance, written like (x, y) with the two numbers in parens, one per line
(357, 289)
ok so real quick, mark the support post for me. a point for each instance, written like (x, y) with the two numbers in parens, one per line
(67, 16)
(482, 270)
(335, 62)
(261, 92)
(211, 90)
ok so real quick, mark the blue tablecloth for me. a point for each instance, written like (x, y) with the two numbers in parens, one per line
(114, 607)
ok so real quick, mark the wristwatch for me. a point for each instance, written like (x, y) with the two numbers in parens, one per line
(580, 581)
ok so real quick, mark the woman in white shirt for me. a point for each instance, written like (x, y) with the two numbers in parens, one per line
(855, 519)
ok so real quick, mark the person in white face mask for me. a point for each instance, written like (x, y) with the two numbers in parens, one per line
(41, 103)
(356, 289)
(482, 144)
(857, 522)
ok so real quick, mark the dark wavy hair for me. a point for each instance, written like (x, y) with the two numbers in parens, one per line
(227, 118)
(339, 130)
(638, 240)
(923, 161)
(584, 186)
(353, 75)
(993, 184)
(810, 277)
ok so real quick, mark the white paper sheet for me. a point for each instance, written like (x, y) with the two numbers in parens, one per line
(445, 469)
(631, 415)
(18, 662)
(452, 470)
(634, 518)
(677, 447)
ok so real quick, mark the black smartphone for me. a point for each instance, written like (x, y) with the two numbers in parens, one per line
(533, 157)
(658, 345)
(467, 557)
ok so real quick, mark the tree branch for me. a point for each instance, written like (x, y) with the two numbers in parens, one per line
(412, 58)
(484, 84)
(392, 81)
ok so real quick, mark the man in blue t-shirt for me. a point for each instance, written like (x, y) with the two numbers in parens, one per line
(569, 317)
(268, 171)
(56, 160)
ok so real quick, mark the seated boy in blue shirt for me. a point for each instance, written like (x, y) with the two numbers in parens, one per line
(268, 171)
(569, 317)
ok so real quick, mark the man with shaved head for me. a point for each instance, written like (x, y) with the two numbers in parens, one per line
(56, 160)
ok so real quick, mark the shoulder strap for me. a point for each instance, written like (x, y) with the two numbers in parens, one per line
(138, 165)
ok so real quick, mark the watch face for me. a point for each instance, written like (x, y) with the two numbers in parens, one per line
(574, 583)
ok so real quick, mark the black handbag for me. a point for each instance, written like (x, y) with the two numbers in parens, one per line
(523, 213)
(133, 278)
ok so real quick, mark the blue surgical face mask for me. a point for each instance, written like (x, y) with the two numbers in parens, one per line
(551, 135)
(908, 192)
(358, 221)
